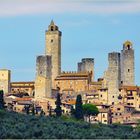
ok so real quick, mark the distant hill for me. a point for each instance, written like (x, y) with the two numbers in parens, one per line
(14, 126)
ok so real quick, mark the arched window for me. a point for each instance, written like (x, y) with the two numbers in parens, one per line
(51, 28)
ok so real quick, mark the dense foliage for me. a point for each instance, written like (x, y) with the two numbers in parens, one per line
(78, 108)
(58, 103)
(14, 126)
(90, 110)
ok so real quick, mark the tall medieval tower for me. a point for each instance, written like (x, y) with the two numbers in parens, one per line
(112, 77)
(43, 77)
(53, 48)
(127, 64)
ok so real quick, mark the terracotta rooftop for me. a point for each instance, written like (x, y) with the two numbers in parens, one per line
(134, 88)
(23, 99)
(23, 82)
(71, 102)
(95, 83)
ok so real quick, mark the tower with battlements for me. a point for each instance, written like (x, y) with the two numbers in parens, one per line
(53, 48)
(43, 77)
(127, 64)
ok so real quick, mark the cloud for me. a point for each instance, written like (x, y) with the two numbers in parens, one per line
(33, 7)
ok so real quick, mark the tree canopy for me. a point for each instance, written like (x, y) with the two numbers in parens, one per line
(90, 110)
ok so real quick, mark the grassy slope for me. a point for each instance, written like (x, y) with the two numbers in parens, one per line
(13, 125)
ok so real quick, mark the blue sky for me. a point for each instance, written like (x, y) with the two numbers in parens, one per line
(90, 28)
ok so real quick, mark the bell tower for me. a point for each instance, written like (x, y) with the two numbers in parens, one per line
(53, 48)
(127, 64)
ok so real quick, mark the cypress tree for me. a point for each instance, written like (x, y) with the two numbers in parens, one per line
(1, 100)
(33, 110)
(58, 109)
(78, 108)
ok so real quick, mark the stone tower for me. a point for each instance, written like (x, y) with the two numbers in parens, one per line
(87, 64)
(127, 64)
(53, 48)
(43, 77)
(112, 77)
(5, 79)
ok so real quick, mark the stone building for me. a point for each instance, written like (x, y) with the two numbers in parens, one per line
(23, 87)
(53, 48)
(5, 79)
(127, 64)
(86, 65)
(43, 77)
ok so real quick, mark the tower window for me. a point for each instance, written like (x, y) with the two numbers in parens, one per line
(51, 40)
(51, 28)
(128, 46)
(128, 70)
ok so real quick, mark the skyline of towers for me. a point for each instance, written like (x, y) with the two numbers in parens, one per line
(120, 71)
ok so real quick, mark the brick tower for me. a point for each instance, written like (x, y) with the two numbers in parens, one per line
(53, 48)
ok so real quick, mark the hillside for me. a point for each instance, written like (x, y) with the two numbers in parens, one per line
(14, 125)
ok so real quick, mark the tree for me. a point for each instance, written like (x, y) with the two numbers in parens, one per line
(58, 103)
(50, 111)
(90, 110)
(27, 109)
(78, 108)
(33, 110)
(72, 111)
(42, 113)
(1, 100)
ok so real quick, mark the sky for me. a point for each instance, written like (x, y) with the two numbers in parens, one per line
(90, 28)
